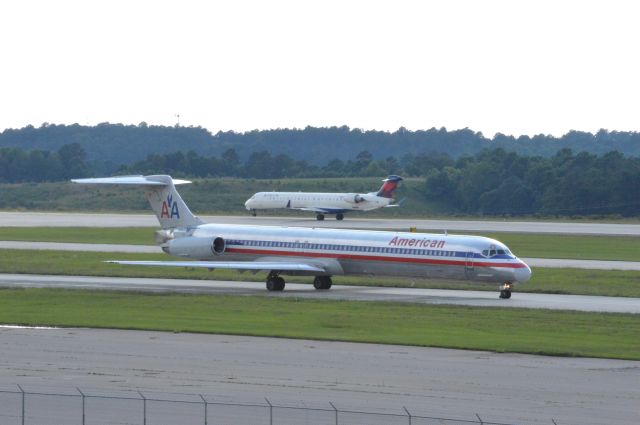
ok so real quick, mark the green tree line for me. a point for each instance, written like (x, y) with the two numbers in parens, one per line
(18, 165)
(491, 182)
(497, 182)
(109, 145)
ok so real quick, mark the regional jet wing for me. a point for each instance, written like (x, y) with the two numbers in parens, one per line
(235, 265)
(321, 210)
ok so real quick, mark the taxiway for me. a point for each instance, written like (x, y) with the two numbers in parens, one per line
(506, 388)
(36, 219)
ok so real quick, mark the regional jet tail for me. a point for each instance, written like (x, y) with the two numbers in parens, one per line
(321, 253)
(327, 203)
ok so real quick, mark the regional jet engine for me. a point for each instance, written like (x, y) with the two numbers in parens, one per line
(199, 247)
(355, 198)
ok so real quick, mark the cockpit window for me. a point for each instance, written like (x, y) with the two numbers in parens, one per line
(493, 251)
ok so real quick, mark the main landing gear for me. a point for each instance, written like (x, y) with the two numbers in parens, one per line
(320, 217)
(322, 282)
(505, 291)
(275, 282)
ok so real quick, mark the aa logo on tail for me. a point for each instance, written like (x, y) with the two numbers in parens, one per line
(169, 208)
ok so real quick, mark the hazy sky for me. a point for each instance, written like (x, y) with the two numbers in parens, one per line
(516, 67)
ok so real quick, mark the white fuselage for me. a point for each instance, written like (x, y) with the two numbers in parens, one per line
(357, 251)
(319, 202)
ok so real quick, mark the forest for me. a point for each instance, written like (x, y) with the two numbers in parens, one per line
(107, 146)
(492, 182)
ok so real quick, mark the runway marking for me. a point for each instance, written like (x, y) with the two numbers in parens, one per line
(27, 327)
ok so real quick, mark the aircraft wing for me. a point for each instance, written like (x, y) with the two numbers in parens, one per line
(321, 210)
(235, 265)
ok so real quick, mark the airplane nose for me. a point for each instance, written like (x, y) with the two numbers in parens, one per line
(247, 204)
(522, 274)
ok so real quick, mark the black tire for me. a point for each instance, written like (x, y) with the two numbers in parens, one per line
(322, 282)
(320, 217)
(271, 284)
(507, 294)
(275, 283)
(339, 216)
(327, 282)
(502, 296)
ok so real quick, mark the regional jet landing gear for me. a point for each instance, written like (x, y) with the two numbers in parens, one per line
(322, 282)
(505, 290)
(275, 282)
(254, 213)
(339, 216)
(319, 217)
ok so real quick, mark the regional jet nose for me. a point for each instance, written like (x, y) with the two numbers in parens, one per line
(522, 274)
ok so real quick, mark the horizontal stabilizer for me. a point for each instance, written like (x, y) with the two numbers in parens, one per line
(399, 204)
(235, 265)
(130, 180)
(160, 191)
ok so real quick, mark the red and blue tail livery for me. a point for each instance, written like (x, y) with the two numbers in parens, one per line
(389, 185)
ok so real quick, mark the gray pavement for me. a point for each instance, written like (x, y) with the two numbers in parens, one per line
(356, 221)
(558, 263)
(337, 292)
(509, 388)
(150, 249)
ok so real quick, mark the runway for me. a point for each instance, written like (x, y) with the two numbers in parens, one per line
(507, 388)
(356, 221)
(152, 249)
(337, 292)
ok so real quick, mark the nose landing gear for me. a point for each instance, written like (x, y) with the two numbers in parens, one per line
(275, 282)
(505, 290)
(320, 217)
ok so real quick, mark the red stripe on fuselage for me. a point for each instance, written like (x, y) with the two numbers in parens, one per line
(373, 258)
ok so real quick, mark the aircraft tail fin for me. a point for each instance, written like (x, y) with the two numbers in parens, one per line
(389, 185)
(162, 195)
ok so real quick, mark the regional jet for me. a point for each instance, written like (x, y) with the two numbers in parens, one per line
(322, 253)
(326, 203)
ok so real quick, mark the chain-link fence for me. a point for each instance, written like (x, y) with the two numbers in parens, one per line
(77, 406)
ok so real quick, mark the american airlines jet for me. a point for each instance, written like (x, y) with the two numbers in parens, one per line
(322, 253)
(326, 203)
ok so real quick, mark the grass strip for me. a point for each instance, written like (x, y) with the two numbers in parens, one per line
(106, 235)
(583, 247)
(578, 247)
(557, 281)
(557, 333)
